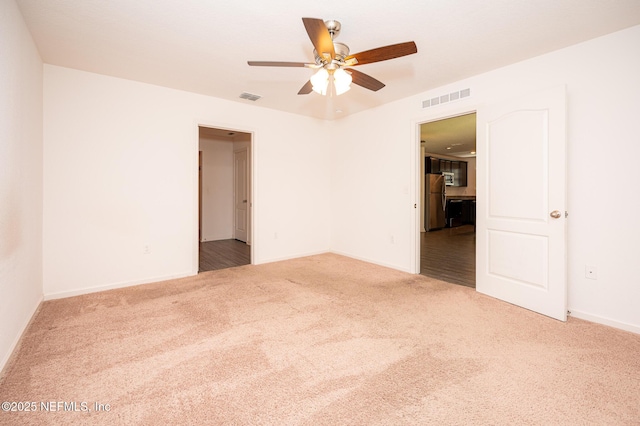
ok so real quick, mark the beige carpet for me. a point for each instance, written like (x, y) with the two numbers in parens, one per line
(322, 340)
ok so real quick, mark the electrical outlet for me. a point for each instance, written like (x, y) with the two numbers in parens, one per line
(392, 239)
(146, 249)
(591, 272)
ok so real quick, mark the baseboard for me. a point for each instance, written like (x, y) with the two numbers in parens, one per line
(605, 321)
(375, 262)
(7, 357)
(295, 256)
(87, 290)
(215, 238)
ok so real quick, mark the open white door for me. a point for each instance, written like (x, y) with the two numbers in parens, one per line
(521, 202)
(240, 195)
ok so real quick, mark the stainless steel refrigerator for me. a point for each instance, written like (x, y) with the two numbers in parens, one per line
(435, 202)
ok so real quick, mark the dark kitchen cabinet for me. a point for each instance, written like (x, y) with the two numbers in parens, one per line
(438, 165)
(453, 213)
(459, 169)
(433, 165)
(460, 212)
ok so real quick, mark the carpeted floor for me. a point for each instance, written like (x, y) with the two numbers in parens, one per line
(321, 340)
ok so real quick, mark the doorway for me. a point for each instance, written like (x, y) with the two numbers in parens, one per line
(224, 183)
(448, 194)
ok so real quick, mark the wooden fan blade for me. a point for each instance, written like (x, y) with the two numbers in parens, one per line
(275, 64)
(306, 89)
(366, 81)
(319, 35)
(383, 53)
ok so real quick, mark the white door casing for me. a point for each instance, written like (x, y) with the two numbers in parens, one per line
(521, 202)
(241, 202)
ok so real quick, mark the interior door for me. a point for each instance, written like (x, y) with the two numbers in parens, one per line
(199, 196)
(521, 202)
(240, 195)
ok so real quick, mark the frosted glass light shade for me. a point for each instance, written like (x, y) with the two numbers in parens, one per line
(320, 81)
(342, 81)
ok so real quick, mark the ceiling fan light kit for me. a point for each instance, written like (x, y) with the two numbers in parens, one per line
(342, 81)
(320, 81)
(332, 58)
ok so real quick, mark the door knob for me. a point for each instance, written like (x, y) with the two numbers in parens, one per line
(555, 214)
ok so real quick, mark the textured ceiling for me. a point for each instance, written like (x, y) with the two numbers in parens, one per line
(203, 46)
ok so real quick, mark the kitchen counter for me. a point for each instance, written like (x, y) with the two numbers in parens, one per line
(461, 197)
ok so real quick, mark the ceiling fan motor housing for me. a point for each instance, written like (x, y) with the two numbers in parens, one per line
(334, 28)
(341, 49)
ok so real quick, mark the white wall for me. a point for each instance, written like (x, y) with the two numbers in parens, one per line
(372, 166)
(217, 189)
(120, 173)
(20, 178)
(372, 188)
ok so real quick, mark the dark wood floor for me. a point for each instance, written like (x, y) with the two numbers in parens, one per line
(449, 254)
(223, 254)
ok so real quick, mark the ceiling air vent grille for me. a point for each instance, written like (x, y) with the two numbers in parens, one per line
(249, 96)
(449, 97)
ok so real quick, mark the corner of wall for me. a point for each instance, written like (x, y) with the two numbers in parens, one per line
(7, 357)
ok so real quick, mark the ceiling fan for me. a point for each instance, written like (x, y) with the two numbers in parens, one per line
(333, 58)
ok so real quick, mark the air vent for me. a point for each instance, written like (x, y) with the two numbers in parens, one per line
(449, 97)
(249, 96)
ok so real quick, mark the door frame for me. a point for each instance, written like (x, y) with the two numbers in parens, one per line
(416, 168)
(253, 190)
(247, 151)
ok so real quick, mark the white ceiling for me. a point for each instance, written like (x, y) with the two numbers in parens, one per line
(455, 136)
(203, 46)
(220, 134)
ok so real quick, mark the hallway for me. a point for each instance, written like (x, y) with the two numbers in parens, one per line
(223, 254)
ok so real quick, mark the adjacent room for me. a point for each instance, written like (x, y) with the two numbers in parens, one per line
(218, 212)
(448, 220)
(224, 191)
